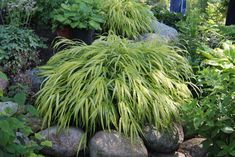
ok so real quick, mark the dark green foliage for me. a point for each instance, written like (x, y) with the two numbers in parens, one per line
(13, 145)
(8, 146)
(201, 27)
(214, 115)
(196, 32)
(2, 77)
(17, 93)
(19, 48)
(45, 9)
(161, 3)
(78, 14)
(190, 35)
(17, 12)
(167, 17)
(228, 32)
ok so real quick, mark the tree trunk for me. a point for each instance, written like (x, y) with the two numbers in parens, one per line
(230, 20)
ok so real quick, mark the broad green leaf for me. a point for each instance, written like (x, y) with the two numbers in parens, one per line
(32, 110)
(228, 130)
(20, 98)
(46, 143)
(38, 136)
(3, 76)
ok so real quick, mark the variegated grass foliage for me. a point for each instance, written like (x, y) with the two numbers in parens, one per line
(128, 18)
(114, 84)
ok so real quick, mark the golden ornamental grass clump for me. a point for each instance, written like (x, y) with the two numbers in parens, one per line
(114, 83)
(128, 18)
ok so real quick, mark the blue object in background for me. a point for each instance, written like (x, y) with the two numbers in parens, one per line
(178, 6)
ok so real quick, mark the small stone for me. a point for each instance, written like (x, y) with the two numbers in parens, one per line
(163, 142)
(193, 148)
(8, 108)
(30, 78)
(65, 143)
(21, 139)
(113, 144)
(21, 78)
(35, 79)
(3, 84)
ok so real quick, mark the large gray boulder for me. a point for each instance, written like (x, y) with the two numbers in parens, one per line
(193, 148)
(65, 143)
(175, 154)
(8, 108)
(162, 31)
(163, 142)
(113, 144)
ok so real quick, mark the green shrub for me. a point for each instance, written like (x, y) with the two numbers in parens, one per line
(2, 77)
(215, 13)
(127, 18)
(78, 14)
(228, 32)
(14, 129)
(190, 35)
(167, 17)
(19, 48)
(213, 116)
(220, 5)
(13, 146)
(8, 128)
(161, 3)
(17, 12)
(114, 84)
(44, 11)
(196, 32)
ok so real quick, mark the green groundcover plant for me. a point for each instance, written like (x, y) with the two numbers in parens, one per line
(228, 31)
(14, 129)
(17, 12)
(164, 15)
(13, 145)
(127, 18)
(45, 10)
(114, 84)
(213, 116)
(219, 5)
(199, 30)
(18, 48)
(83, 14)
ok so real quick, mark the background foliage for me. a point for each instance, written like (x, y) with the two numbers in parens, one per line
(14, 130)
(213, 116)
(83, 14)
(18, 48)
(17, 12)
(165, 16)
(44, 11)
